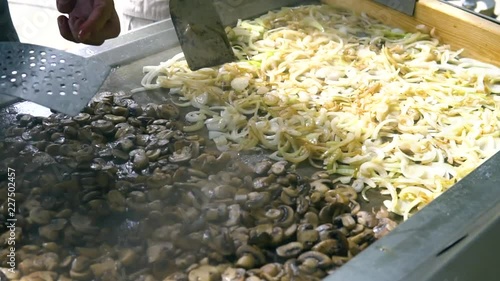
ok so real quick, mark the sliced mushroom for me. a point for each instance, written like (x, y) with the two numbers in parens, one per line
(262, 183)
(51, 231)
(83, 224)
(385, 226)
(279, 168)
(328, 247)
(159, 251)
(140, 160)
(272, 271)
(262, 167)
(257, 200)
(107, 268)
(367, 219)
(323, 261)
(168, 111)
(307, 235)
(321, 185)
(311, 218)
(103, 126)
(286, 216)
(362, 237)
(290, 250)
(234, 214)
(328, 212)
(233, 274)
(40, 216)
(204, 273)
(345, 220)
(115, 119)
(181, 155)
(249, 257)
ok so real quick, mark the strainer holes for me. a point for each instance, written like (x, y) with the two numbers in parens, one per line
(3, 76)
(14, 72)
(78, 72)
(43, 60)
(75, 93)
(32, 58)
(23, 75)
(49, 93)
(53, 64)
(2, 84)
(62, 61)
(53, 56)
(75, 85)
(42, 53)
(31, 52)
(32, 64)
(42, 68)
(62, 93)
(63, 86)
(25, 90)
(13, 80)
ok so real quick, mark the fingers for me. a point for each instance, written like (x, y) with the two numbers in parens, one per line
(75, 24)
(100, 15)
(89, 22)
(110, 30)
(65, 6)
(65, 29)
(102, 24)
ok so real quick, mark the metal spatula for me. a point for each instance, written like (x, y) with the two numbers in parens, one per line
(406, 6)
(53, 78)
(201, 33)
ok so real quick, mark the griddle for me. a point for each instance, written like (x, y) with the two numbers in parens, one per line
(454, 238)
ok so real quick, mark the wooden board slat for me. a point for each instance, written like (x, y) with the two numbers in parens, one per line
(479, 37)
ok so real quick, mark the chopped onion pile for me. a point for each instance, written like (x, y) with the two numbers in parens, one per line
(378, 106)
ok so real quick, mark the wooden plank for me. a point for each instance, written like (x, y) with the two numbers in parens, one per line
(479, 38)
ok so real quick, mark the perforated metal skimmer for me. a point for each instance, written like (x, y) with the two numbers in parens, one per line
(53, 78)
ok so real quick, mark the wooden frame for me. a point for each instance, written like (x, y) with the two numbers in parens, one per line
(479, 37)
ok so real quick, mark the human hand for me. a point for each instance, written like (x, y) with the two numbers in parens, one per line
(89, 21)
